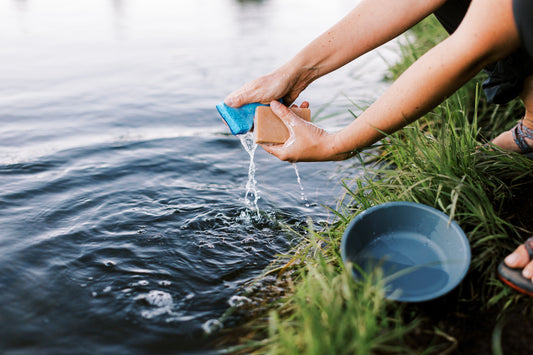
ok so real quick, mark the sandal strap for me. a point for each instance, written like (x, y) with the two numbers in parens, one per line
(529, 247)
(520, 133)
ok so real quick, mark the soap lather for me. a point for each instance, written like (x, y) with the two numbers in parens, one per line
(268, 127)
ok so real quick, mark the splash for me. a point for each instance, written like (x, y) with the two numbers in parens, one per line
(252, 194)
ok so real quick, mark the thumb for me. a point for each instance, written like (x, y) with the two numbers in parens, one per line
(287, 116)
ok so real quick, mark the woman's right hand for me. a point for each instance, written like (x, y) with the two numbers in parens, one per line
(282, 83)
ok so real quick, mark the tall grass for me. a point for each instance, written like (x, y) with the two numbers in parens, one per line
(330, 314)
(443, 160)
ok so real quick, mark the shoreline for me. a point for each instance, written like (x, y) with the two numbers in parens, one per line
(314, 306)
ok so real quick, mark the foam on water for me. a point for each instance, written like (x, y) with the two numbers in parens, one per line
(160, 301)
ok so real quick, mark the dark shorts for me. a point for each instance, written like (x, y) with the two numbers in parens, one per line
(506, 76)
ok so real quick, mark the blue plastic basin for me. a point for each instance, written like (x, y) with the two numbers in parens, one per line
(422, 253)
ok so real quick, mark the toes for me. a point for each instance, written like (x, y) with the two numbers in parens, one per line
(527, 272)
(519, 259)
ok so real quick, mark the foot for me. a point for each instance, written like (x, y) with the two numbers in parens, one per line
(517, 269)
(518, 139)
(522, 258)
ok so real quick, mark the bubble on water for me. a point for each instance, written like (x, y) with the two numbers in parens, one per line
(162, 301)
(212, 326)
(159, 298)
(143, 283)
(238, 301)
(164, 283)
(107, 289)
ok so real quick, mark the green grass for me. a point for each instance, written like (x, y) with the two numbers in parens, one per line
(440, 161)
(317, 321)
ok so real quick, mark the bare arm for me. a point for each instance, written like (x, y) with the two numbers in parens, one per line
(370, 24)
(482, 38)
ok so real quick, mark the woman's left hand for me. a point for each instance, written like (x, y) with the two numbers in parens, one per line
(307, 142)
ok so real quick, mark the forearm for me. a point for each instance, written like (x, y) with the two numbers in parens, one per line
(431, 79)
(370, 24)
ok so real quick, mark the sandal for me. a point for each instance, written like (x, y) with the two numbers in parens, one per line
(520, 133)
(513, 277)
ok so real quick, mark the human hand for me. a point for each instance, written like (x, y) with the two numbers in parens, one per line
(307, 142)
(280, 84)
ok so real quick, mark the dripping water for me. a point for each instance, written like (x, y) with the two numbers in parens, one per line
(252, 194)
(303, 196)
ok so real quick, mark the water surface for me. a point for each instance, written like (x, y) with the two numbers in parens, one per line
(124, 222)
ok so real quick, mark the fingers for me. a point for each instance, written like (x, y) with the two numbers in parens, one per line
(274, 86)
(289, 119)
(278, 150)
(304, 104)
(240, 97)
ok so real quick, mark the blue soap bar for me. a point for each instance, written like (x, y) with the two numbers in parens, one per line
(240, 120)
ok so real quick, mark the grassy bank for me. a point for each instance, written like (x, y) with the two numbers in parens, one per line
(314, 307)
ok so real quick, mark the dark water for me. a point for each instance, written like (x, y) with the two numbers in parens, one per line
(123, 222)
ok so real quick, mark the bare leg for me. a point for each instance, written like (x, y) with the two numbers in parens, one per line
(520, 258)
(505, 140)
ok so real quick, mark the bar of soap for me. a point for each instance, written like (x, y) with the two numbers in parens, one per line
(269, 128)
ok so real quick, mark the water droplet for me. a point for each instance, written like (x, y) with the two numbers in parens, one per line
(303, 197)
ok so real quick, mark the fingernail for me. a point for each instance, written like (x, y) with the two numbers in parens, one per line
(512, 259)
(229, 102)
(275, 103)
(527, 273)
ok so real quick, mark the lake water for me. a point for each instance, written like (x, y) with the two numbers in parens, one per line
(124, 225)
